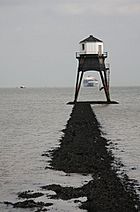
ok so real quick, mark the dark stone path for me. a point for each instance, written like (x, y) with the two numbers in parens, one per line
(83, 149)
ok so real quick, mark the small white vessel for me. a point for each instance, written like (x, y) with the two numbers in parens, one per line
(90, 81)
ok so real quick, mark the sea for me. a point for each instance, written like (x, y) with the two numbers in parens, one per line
(31, 123)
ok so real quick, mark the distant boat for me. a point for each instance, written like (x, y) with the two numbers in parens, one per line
(22, 86)
(90, 81)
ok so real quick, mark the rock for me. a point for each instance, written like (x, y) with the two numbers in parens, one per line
(29, 194)
(28, 204)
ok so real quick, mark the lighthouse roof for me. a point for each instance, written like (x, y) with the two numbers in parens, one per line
(91, 39)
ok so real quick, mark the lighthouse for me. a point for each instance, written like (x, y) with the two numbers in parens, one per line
(91, 57)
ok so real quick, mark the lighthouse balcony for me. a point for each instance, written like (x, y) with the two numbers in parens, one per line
(80, 54)
(105, 54)
(107, 66)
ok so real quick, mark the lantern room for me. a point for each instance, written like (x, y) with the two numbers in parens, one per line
(91, 45)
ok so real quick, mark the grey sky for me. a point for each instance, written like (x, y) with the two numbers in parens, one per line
(39, 38)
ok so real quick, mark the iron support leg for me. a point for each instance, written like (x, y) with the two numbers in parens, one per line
(78, 85)
(107, 83)
(105, 87)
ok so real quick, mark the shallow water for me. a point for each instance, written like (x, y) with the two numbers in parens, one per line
(31, 121)
(122, 125)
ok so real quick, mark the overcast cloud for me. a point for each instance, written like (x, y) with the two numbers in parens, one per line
(39, 38)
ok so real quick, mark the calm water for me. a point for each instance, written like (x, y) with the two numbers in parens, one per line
(31, 121)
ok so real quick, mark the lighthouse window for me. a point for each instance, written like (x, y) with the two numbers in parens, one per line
(83, 46)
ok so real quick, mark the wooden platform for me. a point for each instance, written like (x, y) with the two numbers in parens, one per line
(93, 102)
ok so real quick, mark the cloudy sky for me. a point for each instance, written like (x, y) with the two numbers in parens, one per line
(39, 38)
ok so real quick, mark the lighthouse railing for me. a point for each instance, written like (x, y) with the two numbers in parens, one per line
(79, 53)
(105, 54)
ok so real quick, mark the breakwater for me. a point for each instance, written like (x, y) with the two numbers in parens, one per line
(83, 149)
